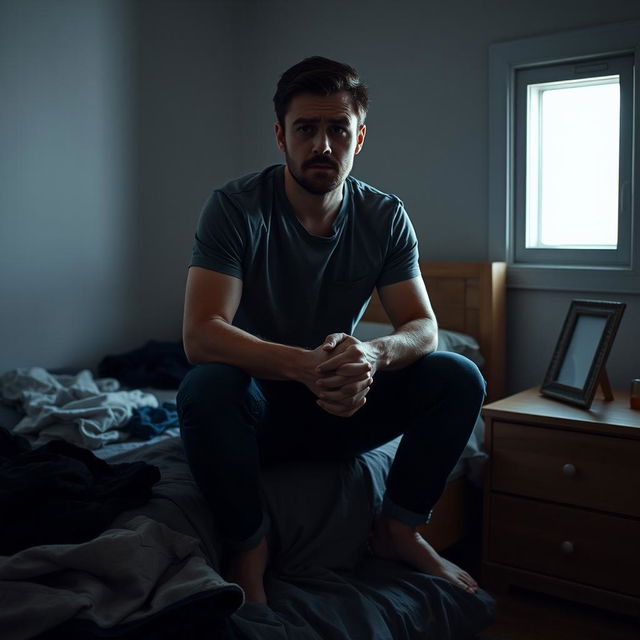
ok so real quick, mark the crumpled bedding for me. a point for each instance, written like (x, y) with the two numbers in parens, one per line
(322, 583)
(77, 408)
(378, 600)
(116, 581)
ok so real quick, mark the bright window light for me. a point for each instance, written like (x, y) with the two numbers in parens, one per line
(573, 137)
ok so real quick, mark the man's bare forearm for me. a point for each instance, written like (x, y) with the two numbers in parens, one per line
(217, 341)
(406, 344)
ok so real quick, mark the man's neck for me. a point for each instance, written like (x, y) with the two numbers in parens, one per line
(316, 212)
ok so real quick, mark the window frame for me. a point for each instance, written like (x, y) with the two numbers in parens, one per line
(621, 274)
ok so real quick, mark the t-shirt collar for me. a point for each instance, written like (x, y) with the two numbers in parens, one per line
(338, 221)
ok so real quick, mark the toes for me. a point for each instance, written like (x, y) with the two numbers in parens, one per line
(466, 587)
(468, 583)
(468, 579)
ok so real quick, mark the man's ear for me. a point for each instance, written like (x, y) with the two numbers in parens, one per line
(362, 132)
(280, 137)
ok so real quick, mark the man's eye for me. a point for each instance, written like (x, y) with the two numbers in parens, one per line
(305, 128)
(340, 130)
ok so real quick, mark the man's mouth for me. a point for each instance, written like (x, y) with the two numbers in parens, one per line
(320, 162)
(320, 165)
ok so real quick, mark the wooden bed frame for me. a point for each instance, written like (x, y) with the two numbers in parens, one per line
(468, 297)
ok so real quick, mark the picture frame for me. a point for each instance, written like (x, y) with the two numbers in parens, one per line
(577, 365)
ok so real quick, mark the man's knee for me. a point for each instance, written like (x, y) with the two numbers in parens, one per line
(212, 387)
(454, 372)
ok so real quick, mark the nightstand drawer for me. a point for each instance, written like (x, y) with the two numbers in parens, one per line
(565, 542)
(598, 472)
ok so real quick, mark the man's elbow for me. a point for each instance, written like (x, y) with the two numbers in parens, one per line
(191, 353)
(199, 339)
(430, 335)
(193, 359)
(191, 347)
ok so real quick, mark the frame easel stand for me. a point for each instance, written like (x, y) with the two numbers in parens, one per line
(605, 385)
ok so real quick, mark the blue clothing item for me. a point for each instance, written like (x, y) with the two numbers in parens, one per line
(232, 424)
(148, 422)
(298, 287)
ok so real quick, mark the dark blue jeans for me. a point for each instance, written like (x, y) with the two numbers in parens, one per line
(232, 424)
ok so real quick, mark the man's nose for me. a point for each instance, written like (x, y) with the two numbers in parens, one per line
(321, 143)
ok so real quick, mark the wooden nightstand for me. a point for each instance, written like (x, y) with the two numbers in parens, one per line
(562, 499)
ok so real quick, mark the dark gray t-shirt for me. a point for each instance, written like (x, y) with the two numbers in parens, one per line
(298, 287)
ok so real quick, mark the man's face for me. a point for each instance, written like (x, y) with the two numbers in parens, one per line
(320, 139)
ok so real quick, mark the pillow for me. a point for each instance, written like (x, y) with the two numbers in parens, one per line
(448, 340)
(461, 343)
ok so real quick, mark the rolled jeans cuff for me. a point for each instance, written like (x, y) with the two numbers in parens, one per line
(411, 518)
(254, 539)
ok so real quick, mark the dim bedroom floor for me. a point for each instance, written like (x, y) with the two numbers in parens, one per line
(524, 615)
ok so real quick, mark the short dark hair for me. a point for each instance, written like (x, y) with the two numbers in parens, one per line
(323, 77)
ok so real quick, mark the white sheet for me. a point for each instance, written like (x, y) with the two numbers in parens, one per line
(77, 408)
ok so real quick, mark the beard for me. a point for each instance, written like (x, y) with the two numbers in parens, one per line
(320, 183)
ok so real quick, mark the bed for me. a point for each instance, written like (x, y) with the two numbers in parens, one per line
(155, 571)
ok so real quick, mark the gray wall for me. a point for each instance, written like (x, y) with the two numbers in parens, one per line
(65, 180)
(185, 110)
(116, 118)
(162, 100)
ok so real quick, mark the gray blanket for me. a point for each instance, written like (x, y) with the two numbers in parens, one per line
(124, 576)
(322, 584)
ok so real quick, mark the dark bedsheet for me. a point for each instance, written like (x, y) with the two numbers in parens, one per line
(322, 584)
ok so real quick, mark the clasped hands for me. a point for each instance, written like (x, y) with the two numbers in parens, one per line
(340, 372)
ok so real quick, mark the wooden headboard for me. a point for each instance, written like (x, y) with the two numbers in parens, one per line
(467, 297)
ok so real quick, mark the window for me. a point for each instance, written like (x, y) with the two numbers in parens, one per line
(562, 162)
(572, 161)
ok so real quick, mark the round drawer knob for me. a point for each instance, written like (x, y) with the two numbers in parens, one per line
(567, 547)
(569, 470)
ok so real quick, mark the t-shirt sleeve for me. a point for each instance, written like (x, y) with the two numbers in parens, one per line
(220, 240)
(401, 261)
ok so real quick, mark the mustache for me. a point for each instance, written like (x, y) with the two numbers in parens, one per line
(321, 160)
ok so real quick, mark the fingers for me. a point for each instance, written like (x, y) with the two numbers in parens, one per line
(344, 377)
(332, 363)
(339, 404)
(354, 369)
(345, 393)
(332, 340)
(352, 355)
(341, 410)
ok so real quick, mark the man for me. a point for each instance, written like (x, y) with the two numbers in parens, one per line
(284, 263)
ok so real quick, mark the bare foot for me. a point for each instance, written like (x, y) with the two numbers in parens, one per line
(394, 540)
(247, 568)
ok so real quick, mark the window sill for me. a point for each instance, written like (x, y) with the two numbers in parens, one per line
(588, 279)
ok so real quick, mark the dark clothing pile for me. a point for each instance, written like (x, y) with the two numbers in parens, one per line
(157, 364)
(62, 494)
